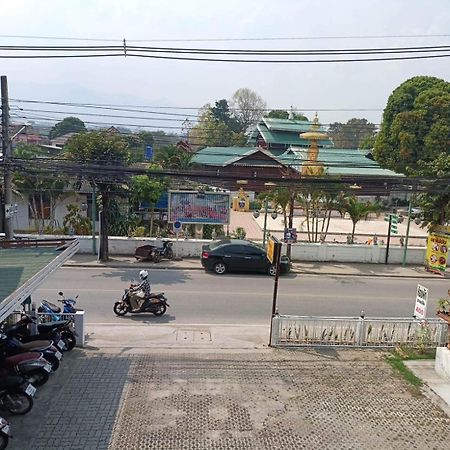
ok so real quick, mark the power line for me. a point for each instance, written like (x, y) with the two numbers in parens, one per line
(117, 107)
(285, 38)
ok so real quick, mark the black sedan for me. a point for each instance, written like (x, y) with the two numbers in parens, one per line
(239, 255)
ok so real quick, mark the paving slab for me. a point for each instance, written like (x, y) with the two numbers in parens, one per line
(271, 399)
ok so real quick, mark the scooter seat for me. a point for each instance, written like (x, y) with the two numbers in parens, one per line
(156, 295)
(36, 346)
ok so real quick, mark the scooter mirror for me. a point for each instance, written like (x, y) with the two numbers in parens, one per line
(60, 293)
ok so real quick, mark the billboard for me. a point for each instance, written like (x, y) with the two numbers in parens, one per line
(437, 249)
(199, 207)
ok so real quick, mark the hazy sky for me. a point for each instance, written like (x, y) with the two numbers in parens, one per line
(137, 81)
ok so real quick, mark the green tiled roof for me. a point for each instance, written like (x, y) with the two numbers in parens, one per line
(293, 126)
(287, 137)
(338, 161)
(221, 156)
(17, 266)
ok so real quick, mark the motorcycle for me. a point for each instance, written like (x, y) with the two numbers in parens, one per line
(16, 396)
(165, 250)
(61, 332)
(156, 304)
(13, 346)
(32, 366)
(5, 433)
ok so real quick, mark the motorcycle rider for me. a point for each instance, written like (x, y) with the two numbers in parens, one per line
(143, 286)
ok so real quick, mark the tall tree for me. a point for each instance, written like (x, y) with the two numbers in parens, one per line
(41, 192)
(248, 107)
(67, 125)
(416, 124)
(352, 133)
(212, 132)
(148, 189)
(104, 151)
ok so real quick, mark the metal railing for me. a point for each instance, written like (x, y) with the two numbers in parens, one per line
(68, 248)
(308, 331)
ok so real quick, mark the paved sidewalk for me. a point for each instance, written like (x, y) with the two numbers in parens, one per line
(338, 269)
(266, 400)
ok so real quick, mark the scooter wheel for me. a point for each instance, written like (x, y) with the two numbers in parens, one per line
(169, 253)
(160, 311)
(54, 361)
(4, 439)
(17, 403)
(38, 377)
(69, 340)
(120, 308)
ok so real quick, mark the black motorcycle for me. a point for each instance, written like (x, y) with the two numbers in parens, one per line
(16, 394)
(61, 332)
(5, 433)
(166, 250)
(155, 304)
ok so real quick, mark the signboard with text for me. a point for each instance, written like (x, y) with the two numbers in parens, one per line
(437, 249)
(420, 308)
(199, 207)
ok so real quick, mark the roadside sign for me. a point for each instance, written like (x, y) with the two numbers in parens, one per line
(149, 152)
(290, 235)
(420, 308)
(394, 222)
(177, 226)
(271, 250)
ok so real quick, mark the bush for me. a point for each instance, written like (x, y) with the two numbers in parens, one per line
(239, 233)
(255, 205)
(74, 221)
(138, 232)
(212, 231)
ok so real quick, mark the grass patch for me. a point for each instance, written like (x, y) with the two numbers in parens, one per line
(396, 357)
(396, 362)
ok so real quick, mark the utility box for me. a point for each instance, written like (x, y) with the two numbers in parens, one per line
(78, 319)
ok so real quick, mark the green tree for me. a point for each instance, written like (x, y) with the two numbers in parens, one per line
(283, 114)
(96, 152)
(416, 124)
(352, 133)
(212, 132)
(38, 189)
(173, 157)
(144, 188)
(248, 107)
(358, 211)
(67, 125)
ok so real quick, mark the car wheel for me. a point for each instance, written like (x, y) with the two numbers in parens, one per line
(220, 268)
(272, 270)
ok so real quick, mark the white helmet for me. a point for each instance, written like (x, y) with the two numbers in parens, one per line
(143, 274)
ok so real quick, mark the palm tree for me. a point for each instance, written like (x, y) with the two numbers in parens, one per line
(358, 211)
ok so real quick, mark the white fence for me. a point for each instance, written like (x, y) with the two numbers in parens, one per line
(304, 331)
(327, 252)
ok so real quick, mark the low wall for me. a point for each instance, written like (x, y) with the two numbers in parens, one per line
(300, 252)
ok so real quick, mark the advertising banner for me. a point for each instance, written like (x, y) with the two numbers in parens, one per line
(437, 249)
(199, 207)
(420, 308)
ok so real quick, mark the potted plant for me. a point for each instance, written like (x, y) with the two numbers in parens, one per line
(443, 306)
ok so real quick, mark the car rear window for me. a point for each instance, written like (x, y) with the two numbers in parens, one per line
(216, 244)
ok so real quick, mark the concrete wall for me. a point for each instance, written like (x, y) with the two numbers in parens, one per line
(300, 252)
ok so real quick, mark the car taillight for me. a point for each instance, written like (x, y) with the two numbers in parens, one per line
(205, 255)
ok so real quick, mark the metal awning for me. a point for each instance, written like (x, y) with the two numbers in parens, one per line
(25, 264)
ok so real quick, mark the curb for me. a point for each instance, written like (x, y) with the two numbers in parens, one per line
(297, 271)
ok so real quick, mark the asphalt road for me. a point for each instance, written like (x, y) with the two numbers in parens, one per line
(196, 297)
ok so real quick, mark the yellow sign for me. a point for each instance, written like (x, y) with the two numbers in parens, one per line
(271, 250)
(437, 249)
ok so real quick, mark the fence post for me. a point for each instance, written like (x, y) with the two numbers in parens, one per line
(34, 323)
(361, 330)
(78, 320)
(275, 337)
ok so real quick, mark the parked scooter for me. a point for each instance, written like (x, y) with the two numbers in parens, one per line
(165, 249)
(31, 365)
(61, 332)
(5, 433)
(16, 396)
(156, 304)
(13, 346)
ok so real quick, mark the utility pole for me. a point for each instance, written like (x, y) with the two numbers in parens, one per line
(7, 153)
